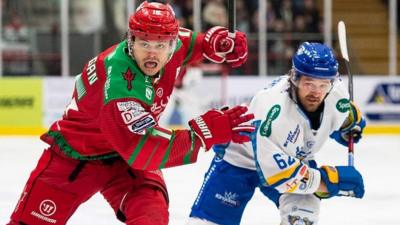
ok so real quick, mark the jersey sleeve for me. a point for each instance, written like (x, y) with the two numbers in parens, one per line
(143, 144)
(275, 168)
(192, 42)
(339, 101)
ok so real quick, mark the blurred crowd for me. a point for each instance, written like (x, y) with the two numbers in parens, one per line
(289, 22)
(33, 44)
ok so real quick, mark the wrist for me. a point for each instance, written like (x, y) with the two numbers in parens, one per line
(329, 182)
(322, 187)
(196, 139)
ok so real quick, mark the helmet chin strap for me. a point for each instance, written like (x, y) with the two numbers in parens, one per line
(129, 40)
(173, 47)
(293, 86)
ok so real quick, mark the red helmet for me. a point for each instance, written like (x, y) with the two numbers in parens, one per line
(154, 21)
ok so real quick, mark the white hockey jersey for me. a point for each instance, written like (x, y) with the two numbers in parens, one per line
(284, 141)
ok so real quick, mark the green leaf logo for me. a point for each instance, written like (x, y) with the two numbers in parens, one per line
(266, 129)
(343, 105)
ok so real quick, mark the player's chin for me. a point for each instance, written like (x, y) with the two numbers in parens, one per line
(312, 106)
(151, 71)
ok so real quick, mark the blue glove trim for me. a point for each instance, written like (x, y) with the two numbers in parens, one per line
(350, 183)
(340, 136)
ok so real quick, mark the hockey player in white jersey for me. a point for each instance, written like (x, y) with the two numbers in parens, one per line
(294, 117)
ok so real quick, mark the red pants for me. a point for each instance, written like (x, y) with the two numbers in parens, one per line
(59, 185)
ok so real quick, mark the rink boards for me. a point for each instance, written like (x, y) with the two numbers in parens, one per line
(30, 105)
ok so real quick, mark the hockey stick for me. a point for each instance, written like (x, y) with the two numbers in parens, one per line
(345, 55)
(225, 68)
(231, 16)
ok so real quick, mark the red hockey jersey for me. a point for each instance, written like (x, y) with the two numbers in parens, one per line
(115, 109)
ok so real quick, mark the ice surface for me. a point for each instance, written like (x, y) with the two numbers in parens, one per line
(377, 157)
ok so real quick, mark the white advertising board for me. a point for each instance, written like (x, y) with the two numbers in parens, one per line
(56, 95)
(378, 97)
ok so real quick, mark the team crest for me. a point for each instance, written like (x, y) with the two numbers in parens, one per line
(129, 77)
(297, 220)
(160, 92)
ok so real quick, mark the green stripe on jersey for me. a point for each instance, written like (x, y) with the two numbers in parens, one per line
(186, 158)
(160, 133)
(166, 155)
(190, 52)
(151, 156)
(138, 147)
(80, 87)
(69, 151)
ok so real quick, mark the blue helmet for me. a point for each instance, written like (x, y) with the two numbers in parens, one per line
(315, 60)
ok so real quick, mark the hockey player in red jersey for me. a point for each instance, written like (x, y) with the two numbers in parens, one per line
(108, 139)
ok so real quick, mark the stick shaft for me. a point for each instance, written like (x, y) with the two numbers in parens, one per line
(231, 16)
(344, 51)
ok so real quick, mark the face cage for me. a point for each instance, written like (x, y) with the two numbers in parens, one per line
(130, 39)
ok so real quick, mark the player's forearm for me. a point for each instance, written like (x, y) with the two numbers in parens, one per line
(184, 149)
(157, 149)
(322, 187)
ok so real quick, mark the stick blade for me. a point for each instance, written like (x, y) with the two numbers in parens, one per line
(343, 40)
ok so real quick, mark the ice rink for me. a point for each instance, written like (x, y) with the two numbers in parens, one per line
(377, 157)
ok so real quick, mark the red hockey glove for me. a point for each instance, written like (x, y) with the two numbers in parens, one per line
(239, 55)
(218, 127)
(217, 44)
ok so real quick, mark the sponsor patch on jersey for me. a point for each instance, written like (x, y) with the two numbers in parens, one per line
(292, 136)
(135, 117)
(266, 126)
(343, 105)
(125, 106)
(149, 93)
(140, 125)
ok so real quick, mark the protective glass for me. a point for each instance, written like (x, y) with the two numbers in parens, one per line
(315, 85)
(152, 46)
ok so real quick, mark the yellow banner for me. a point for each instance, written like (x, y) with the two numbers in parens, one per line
(20, 105)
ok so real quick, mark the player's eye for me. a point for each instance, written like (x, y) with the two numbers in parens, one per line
(161, 46)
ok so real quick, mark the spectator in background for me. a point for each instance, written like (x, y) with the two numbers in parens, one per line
(312, 17)
(215, 14)
(281, 50)
(299, 27)
(187, 13)
(242, 17)
(286, 14)
(178, 12)
(15, 30)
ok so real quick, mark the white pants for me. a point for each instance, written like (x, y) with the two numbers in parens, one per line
(298, 209)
